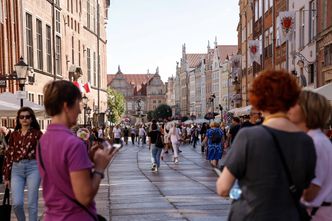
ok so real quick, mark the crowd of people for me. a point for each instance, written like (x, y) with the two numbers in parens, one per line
(279, 157)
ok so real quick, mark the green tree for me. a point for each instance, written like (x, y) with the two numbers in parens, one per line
(115, 103)
(163, 111)
(150, 115)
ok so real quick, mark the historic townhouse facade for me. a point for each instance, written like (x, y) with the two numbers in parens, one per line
(198, 78)
(61, 39)
(146, 89)
(258, 21)
(307, 53)
(302, 47)
(324, 42)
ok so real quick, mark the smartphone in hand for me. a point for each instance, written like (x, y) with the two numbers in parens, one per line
(217, 171)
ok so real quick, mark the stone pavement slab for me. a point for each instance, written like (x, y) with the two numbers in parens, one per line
(132, 192)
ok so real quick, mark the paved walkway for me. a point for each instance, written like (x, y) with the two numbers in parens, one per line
(186, 191)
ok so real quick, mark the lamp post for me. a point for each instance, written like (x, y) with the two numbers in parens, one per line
(88, 112)
(109, 114)
(211, 99)
(21, 69)
(138, 109)
(85, 106)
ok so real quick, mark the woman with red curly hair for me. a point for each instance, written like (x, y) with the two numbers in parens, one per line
(254, 159)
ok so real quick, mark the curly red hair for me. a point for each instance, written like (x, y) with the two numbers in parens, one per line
(274, 91)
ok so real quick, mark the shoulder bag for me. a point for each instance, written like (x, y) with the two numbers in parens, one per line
(96, 218)
(5, 208)
(304, 216)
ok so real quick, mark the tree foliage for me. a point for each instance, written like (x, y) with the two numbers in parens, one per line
(150, 115)
(162, 112)
(115, 103)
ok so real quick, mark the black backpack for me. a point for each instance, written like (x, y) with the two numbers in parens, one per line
(216, 137)
(159, 140)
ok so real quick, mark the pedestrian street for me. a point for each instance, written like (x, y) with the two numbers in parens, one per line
(184, 191)
(131, 191)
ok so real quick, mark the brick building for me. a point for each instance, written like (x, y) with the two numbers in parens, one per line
(324, 42)
(61, 39)
(147, 88)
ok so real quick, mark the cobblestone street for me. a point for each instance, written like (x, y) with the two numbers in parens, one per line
(185, 191)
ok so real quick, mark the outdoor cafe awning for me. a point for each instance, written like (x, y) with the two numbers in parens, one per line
(9, 105)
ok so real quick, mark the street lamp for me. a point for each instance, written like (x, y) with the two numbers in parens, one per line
(88, 112)
(138, 109)
(21, 69)
(85, 106)
(109, 114)
(211, 99)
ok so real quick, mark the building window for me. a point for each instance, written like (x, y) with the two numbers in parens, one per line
(29, 39)
(312, 20)
(71, 6)
(57, 21)
(328, 55)
(266, 5)
(67, 5)
(324, 16)
(88, 55)
(302, 19)
(311, 73)
(39, 33)
(88, 13)
(57, 3)
(31, 97)
(94, 17)
(58, 55)
(48, 49)
(256, 10)
(79, 52)
(40, 99)
(94, 69)
(72, 50)
(41, 124)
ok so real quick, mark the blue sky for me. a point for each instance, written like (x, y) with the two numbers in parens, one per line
(144, 34)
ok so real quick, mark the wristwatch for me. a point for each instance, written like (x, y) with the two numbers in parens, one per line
(99, 173)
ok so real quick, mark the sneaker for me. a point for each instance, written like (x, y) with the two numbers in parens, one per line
(180, 151)
(154, 166)
(162, 158)
(156, 169)
(176, 161)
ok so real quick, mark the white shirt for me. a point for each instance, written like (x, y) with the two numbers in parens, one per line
(117, 132)
(175, 137)
(100, 133)
(141, 131)
(323, 170)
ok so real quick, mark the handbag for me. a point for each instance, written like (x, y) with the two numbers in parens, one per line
(5, 208)
(96, 218)
(304, 216)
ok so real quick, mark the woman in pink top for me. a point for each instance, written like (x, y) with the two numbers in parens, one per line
(311, 114)
(70, 174)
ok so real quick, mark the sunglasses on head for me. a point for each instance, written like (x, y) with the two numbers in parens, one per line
(24, 116)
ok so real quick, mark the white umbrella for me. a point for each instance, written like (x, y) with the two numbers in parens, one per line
(200, 121)
(188, 122)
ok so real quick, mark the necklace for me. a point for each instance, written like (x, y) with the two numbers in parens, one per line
(276, 115)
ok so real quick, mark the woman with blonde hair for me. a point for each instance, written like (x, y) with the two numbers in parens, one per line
(259, 155)
(214, 139)
(312, 113)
